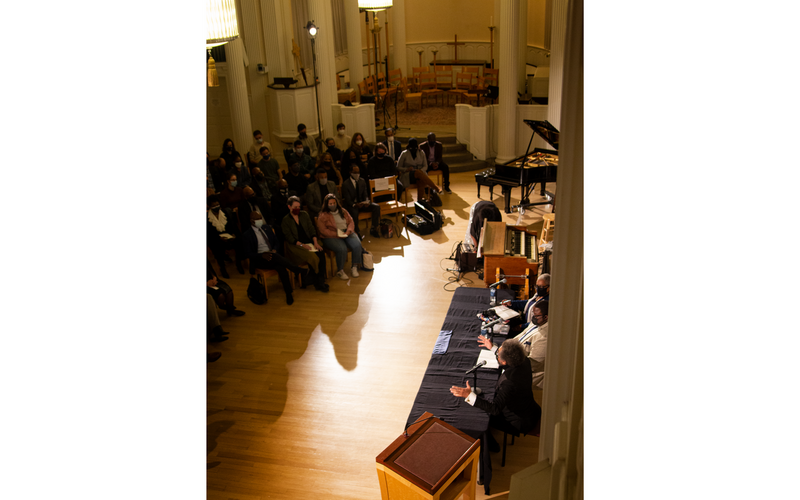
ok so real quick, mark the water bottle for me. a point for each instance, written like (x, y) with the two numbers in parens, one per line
(493, 296)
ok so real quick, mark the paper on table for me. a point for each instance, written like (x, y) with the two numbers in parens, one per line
(505, 312)
(382, 184)
(489, 357)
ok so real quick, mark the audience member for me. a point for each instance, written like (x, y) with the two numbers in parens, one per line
(309, 144)
(302, 246)
(325, 161)
(335, 152)
(533, 340)
(359, 145)
(301, 158)
(260, 184)
(412, 166)
(356, 198)
(280, 198)
(342, 140)
(232, 195)
(221, 235)
(217, 170)
(317, 191)
(298, 183)
(433, 153)
(229, 153)
(252, 203)
(513, 408)
(254, 155)
(393, 147)
(381, 165)
(214, 331)
(269, 166)
(242, 172)
(220, 291)
(350, 158)
(480, 212)
(261, 246)
(336, 227)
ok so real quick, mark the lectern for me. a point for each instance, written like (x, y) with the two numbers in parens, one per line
(435, 462)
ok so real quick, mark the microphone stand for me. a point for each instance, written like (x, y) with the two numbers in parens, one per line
(475, 388)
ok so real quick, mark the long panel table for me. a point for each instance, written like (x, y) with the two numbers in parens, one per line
(447, 370)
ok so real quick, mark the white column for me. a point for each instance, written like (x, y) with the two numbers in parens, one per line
(509, 50)
(397, 23)
(237, 96)
(523, 44)
(320, 12)
(354, 22)
(255, 54)
(557, 30)
(276, 22)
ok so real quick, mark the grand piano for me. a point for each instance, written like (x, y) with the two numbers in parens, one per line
(537, 167)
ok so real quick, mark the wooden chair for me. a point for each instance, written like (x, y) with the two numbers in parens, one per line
(444, 78)
(415, 77)
(463, 84)
(427, 85)
(433, 174)
(392, 206)
(372, 88)
(362, 88)
(474, 70)
(395, 78)
(475, 92)
(383, 89)
(262, 275)
(408, 96)
(293, 276)
(491, 76)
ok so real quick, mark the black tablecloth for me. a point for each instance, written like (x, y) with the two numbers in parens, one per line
(447, 370)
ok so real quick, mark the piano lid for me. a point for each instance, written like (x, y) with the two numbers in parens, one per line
(545, 130)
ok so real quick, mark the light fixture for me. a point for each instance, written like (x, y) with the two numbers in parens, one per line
(221, 28)
(312, 29)
(374, 5)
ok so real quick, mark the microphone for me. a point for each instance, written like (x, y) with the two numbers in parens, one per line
(501, 282)
(491, 323)
(474, 368)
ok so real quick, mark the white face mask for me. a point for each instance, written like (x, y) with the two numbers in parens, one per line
(259, 222)
(355, 176)
(341, 131)
(299, 151)
(358, 142)
(324, 181)
(260, 140)
(238, 164)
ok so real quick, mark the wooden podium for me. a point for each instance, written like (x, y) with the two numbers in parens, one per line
(435, 462)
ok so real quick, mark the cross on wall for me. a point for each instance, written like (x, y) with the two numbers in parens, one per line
(455, 45)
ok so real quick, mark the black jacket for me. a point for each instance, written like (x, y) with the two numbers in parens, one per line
(250, 242)
(513, 398)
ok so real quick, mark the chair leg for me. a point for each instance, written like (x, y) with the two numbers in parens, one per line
(503, 461)
(512, 440)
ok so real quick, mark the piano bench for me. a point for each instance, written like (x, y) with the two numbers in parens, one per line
(484, 179)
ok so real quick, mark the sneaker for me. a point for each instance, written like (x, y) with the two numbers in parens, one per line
(342, 275)
(354, 272)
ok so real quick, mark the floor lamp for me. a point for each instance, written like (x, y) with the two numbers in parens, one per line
(312, 32)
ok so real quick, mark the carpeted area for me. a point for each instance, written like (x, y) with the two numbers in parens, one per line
(430, 115)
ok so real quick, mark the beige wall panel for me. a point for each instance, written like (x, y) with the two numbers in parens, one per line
(469, 19)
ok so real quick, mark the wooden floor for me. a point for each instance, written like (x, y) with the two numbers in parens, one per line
(304, 397)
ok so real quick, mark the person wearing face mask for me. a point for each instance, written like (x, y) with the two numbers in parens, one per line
(325, 161)
(302, 246)
(221, 232)
(335, 152)
(280, 197)
(380, 166)
(355, 199)
(393, 148)
(229, 154)
(301, 158)
(242, 172)
(342, 140)
(337, 229)
(269, 166)
(433, 153)
(317, 191)
(309, 144)
(252, 203)
(525, 307)
(232, 195)
(359, 145)
(350, 158)
(412, 166)
(533, 340)
(298, 183)
(261, 246)
(254, 154)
